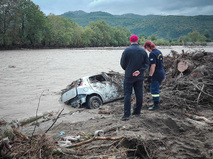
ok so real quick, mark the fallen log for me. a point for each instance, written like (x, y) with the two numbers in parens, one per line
(93, 139)
(101, 146)
(199, 118)
(59, 151)
(182, 66)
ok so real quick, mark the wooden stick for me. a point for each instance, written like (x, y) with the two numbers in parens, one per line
(37, 113)
(200, 94)
(59, 151)
(202, 91)
(54, 121)
(93, 139)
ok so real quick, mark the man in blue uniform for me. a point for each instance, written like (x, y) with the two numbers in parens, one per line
(134, 61)
(156, 72)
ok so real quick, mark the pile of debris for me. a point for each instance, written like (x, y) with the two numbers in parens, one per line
(14, 144)
(188, 83)
(18, 145)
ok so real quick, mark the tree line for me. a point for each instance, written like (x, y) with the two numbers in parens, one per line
(166, 27)
(192, 38)
(22, 24)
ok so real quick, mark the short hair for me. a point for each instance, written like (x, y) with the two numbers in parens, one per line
(149, 44)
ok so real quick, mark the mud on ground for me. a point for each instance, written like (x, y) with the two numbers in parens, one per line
(181, 128)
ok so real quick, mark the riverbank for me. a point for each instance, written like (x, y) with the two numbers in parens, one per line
(27, 75)
(181, 128)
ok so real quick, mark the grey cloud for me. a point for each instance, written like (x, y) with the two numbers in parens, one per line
(142, 7)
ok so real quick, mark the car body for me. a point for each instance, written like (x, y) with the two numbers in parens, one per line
(93, 91)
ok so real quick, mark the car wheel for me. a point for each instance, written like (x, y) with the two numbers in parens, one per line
(94, 102)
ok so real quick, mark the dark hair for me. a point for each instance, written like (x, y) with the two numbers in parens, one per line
(149, 44)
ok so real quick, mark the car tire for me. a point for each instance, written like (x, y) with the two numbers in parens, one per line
(94, 102)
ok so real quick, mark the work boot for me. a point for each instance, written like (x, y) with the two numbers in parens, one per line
(135, 114)
(155, 106)
(124, 118)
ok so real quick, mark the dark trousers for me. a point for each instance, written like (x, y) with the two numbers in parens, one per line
(155, 90)
(137, 85)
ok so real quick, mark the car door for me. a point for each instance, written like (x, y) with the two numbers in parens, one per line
(104, 88)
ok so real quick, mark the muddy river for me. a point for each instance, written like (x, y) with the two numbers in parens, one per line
(32, 80)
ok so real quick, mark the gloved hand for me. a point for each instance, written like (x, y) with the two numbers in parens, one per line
(149, 79)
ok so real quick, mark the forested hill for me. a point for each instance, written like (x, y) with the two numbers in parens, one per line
(167, 27)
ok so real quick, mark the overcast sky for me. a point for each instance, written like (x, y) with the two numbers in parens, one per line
(118, 7)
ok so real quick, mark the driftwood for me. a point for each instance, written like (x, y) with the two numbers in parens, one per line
(60, 151)
(37, 111)
(201, 89)
(28, 147)
(197, 56)
(113, 128)
(182, 66)
(101, 146)
(185, 62)
(199, 118)
(54, 121)
(93, 139)
(198, 98)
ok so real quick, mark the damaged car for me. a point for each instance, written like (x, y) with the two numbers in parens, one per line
(93, 91)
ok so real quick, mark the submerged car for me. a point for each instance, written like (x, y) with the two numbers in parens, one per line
(93, 91)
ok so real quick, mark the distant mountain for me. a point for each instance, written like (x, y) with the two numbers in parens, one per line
(75, 14)
(136, 16)
(161, 26)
